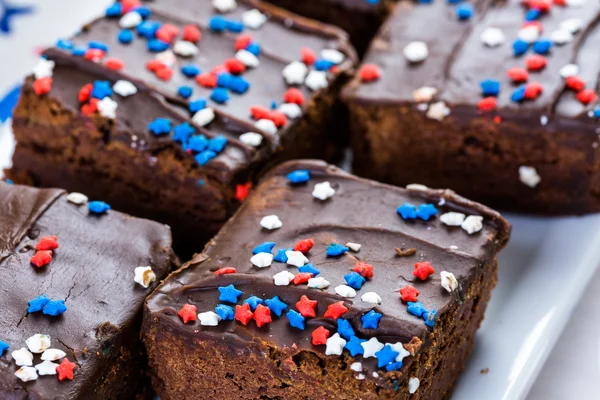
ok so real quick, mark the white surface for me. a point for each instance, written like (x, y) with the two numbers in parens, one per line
(543, 272)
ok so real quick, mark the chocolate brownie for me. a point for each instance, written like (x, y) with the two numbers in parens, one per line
(497, 100)
(170, 111)
(360, 18)
(74, 278)
(327, 286)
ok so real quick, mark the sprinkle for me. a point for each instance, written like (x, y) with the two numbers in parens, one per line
(529, 176)
(335, 345)
(254, 48)
(587, 96)
(299, 176)
(424, 94)
(318, 283)
(283, 278)
(296, 319)
(217, 24)
(243, 313)
(130, 20)
(336, 250)
(423, 270)
(323, 191)
(124, 88)
(335, 310)
(38, 343)
(473, 224)
(144, 276)
(407, 211)
(345, 291)
(542, 46)
(301, 278)
(47, 243)
(42, 86)
(160, 126)
(354, 346)
(319, 336)
(55, 308)
(333, 56)
(262, 315)
(291, 110)
(355, 247)
(416, 51)
(271, 222)
(296, 258)
(229, 294)
(276, 305)
(518, 75)
(5, 346)
(262, 260)
(220, 96)
(452, 218)
(371, 298)
(487, 104)
(345, 329)
(65, 370)
(316, 80)
(371, 320)
(107, 107)
(409, 293)
(561, 37)
(266, 125)
(224, 6)
(265, 247)
(416, 308)
(438, 111)
(43, 69)
(46, 368)
(26, 374)
(426, 211)
(371, 347)
(22, 357)
(253, 19)
(254, 301)
(429, 318)
(247, 59)
(114, 64)
(225, 312)
(251, 139)
(448, 281)
(191, 33)
(386, 356)
(225, 271)
(536, 62)
(210, 318)
(125, 37)
(492, 37)
(304, 245)
(204, 117)
(399, 348)
(356, 366)
(490, 87)
(575, 83)
(572, 25)
(520, 47)
(369, 73)
(464, 11)
(413, 385)
(528, 34)
(354, 280)
(114, 10)
(188, 313)
(310, 269)
(41, 258)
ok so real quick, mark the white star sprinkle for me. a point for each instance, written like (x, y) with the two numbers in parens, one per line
(332, 55)
(318, 283)
(492, 37)
(130, 20)
(209, 318)
(291, 110)
(251, 139)
(416, 51)
(472, 224)
(335, 345)
(371, 347)
(345, 291)
(294, 73)
(38, 343)
(266, 125)
(167, 57)
(185, 49)
(77, 198)
(449, 281)
(424, 94)
(253, 19)
(355, 247)
(46, 368)
(572, 25)
(416, 186)
(316, 80)
(22, 357)
(53, 355)
(26, 374)
(569, 70)
(124, 88)
(452, 218)
(262, 260)
(402, 352)
(224, 6)
(561, 36)
(438, 111)
(247, 58)
(107, 107)
(323, 191)
(296, 258)
(529, 34)
(529, 176)
(204, 117)
(271, 222)
(43, 69)
(413, 385)
(371, 298)
(283, 278)
(356, 366)
(144, 276)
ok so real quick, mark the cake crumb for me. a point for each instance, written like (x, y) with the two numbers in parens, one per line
(402, 252)
(484, 371)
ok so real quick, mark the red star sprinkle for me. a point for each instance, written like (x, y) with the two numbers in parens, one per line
(128, 5)
(42, 86)
(308, 56)
(369, 73)
(536, 62)
(218, 70)
(262, 315)
(167, 33)
(242, 190)
(560, 2)
(207, 80)
(188, 313)
(319, 336)
(518, 75)
(225, 271)
(575, 83)
(423, 270)
(542, 5)
(260, 112)
(95, 55)
(155, 65)
(41, 258)
(85, 92)
(487, 104)
(533, 90)
(363, 269)
(302, 277)
(336, 310)
(586, 96)
(304, 245)
(47, 243)
(114, 64)
(278, 118)
(65, 370)
(243, 313)
(164, 74)
(235, 66)
(294, 95)
(191, 33)
(306, 307)
(536, 24)
(242, 42)
(409, 293)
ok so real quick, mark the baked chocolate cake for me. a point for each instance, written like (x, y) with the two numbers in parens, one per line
(360, 18)
(74, 278)
(170, 110)
(496, 100)
(327, 286)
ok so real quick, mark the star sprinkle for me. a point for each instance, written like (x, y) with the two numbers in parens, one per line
(77, 198)
(345, 329)
(426, 211)
(3, 347)
(22, 357)
(335, 345)
(529, 176)
(46, 368)
(336, 250)
(253, 19)
(409, 293)
(294, 73)
(262, 315)
(295, 258)
(107, 107)
(423, 270)
(188, 313)
(369, 73)
(452, 218)
(413, 385)
(38, 304)
(345, 291)
(310, 269)
(38, 343)
(354, 280)
(271, 222)
(253, 301)
(225, 271)
(204, 117)
(55, 308)
(335, 310)
(307, 307)
(124, 88)
(386, 356)
(243, 313)
(371, 320)
(371, 298)
(225, 312)
(354, 346)
(296, 319)
(304, 245)
(298, 176)
(323, 191)
(318, 283)
(26, 374)
(438, 111)
(262, 260)
(416, 308)
(251, 139)
(429, 318)
(229, 294)
(291, 110)
(65, 370)
(407, 211)
(276, 305)
(41, 258)
(281, 255)
(316, 80)
(370, 347)
(43, 69)
(98, 207)
(492, 37)
(266, 125)
(424, 94)
(144, 276)
(283, 278)
(472, 224)
(448, 281)
(416, 51)
(319, 336)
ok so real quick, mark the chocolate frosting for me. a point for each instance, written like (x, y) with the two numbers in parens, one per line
(361, 211)
(458, 61)
(92, 271)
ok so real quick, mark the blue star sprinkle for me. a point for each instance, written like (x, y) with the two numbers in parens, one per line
(160, 126)
(354, 280)
(323, 65)
(296, 319)
(254, 48)
(225, 312)
(518, 94)
(95, 44)
(204, 157)
(55, 308)
(235, 26)
(281, 256)
(7, 12)
(101, 90)
(98, 207)
(197, 105)
(386, 356)
(114, 10)
(490, 87)
(464, 11)
(229, 294)
(532, 14)
(3, 347)
(299, 176)
(542, 46)
(144, 12)
(197, 143)
(276, 305)
(520, 47)
(407, 211)
(157, 45)
(217, 24)
(64, 44)
(371, 320)
(220, 96)
(148, 29)
(596, 112)
(309, 268)
(79, 51)
(416, 308)
(345, 329)
(335, 250)
(426, 211)
(354, 346)
(38, 304)
(183, 132)
(265, 247)
(395, 366)
(185, 91)
(217, 144)
(239, 85)
(190, 70)
(253, 301)
(429, 317)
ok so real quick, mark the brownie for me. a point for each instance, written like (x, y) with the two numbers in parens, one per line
(163, 155)
(488, 107)
(360, 18)
(82, 297)
(409, 270)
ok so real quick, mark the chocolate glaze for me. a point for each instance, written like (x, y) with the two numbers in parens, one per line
(92, 271)
(458, 61)
(361, 211)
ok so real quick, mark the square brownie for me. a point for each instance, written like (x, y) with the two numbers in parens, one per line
(74, 279)
(327, 286)
(496, 100)
(170, 111)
